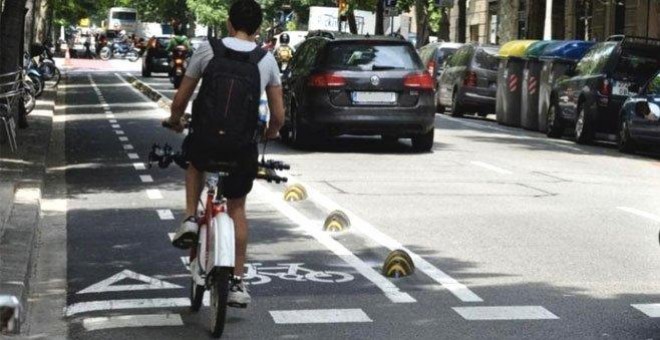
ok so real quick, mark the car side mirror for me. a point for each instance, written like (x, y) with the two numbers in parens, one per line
(642, 109)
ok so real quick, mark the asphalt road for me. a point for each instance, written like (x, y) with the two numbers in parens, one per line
(514, 235)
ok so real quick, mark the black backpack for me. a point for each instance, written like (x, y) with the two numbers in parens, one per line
(226, 111)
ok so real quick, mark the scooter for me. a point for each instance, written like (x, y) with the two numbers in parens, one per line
(178, 65)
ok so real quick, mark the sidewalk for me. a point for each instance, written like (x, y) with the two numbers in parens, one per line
(21, 183)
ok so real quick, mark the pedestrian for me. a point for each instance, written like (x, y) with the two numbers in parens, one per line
(236, 73)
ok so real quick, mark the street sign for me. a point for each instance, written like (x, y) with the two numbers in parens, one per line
(444, 3)
(391, 12)
(389, 3)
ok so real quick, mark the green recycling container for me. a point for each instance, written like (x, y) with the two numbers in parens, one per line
(509, 81)
(529, 99)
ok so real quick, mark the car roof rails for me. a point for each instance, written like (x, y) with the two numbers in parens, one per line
(640, 42)
(616, 37)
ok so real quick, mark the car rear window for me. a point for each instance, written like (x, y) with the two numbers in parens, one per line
(635, 65)
(370, 56)
(486, 59)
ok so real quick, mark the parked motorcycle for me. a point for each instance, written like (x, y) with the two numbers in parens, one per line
(120, 50)
(178, 65)
(33, 73)
(46, 64)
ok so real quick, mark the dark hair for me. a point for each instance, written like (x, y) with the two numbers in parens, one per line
(246, 16)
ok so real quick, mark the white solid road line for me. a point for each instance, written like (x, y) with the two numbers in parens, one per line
(127, 321)
(154, 194)
(492, 167)
(165, 214)
(650, 309)
(133, 156)
(641, 213)
(505, 313)
(94, 306)
(390, 290)
(146, 179)
(306, 316)
(459, 290)
(139, 166)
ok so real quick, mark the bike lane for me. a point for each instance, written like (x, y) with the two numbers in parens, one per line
(123, 272)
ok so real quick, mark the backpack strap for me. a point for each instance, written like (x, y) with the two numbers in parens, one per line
(219, 48)
(257, 54)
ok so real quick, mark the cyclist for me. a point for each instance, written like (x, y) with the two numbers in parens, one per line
(245, 17)
(284, 52)
(179, 39)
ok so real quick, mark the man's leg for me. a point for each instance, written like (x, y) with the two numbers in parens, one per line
(194, 185)
(236, 210)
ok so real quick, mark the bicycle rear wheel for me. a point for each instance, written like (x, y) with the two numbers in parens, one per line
(219, 294)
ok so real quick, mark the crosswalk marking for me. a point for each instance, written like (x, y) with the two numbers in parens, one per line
(505, 313)
(126, 321)
(139, 166)
(133, 156)
(306, 316)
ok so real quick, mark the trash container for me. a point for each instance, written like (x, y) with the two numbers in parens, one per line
(557, 60)
(529, 102)
(509, 81)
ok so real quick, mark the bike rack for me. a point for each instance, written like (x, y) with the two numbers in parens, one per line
(10, 91)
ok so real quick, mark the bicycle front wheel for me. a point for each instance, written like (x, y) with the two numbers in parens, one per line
(219, 294)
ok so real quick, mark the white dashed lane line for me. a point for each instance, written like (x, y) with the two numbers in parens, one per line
(492, 168)
(123, 139)
(139, 166)
(128, 321)
(309, 316)
(116, 126)
(146, 179)
(165, 214)
(133, 156)
(154, 194)
(119, 132)
(128, 147)
(505, 313)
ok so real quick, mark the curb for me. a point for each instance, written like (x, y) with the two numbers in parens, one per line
(162, 101)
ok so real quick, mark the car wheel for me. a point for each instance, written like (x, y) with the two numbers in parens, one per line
(555, 126)
(423, 142)
(301, 137)
(582, 127)
(625, 142)
(438, 107)
(456, 109)
(482, 114)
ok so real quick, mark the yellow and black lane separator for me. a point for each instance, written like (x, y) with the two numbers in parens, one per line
(295, 193)
(398, 264)
(336, 222)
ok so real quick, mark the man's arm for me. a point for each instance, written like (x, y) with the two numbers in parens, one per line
(276, 105)
(180, 102)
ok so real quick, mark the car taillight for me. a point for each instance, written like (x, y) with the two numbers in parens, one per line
(431, 67)
(470, 79)
(419, 81)
(605, 88)
(326, 80)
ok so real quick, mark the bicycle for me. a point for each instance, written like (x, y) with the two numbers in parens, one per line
(212, 260)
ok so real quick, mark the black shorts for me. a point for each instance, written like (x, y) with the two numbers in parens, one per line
(241, 176)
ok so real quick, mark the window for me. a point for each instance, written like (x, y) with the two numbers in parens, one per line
(486, 59)
(596, 59)
(474, 33)
(128, 16)
(633, 64)
(362, 56)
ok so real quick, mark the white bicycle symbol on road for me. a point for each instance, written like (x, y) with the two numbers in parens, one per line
(257, 274)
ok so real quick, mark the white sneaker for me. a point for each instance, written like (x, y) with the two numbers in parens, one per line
(238, 294)
(186, 235)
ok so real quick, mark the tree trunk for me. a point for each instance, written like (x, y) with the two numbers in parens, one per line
(42, 20)
(11, 41)
(380, 17)
(443, 34)
(352, 25)
(422, 16)
(30, 7)
(508, 21)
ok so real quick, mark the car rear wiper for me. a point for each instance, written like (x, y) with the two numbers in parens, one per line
(382, 68)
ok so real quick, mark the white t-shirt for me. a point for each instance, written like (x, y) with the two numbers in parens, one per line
(268, 69)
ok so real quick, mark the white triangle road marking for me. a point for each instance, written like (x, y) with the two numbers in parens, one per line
(107, 285)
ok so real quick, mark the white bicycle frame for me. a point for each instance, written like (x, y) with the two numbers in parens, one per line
(217, 241)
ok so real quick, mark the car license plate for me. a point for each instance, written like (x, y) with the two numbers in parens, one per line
(362, 98)
(620, 88)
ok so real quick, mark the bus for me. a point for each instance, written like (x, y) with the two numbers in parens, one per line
(123, 18)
